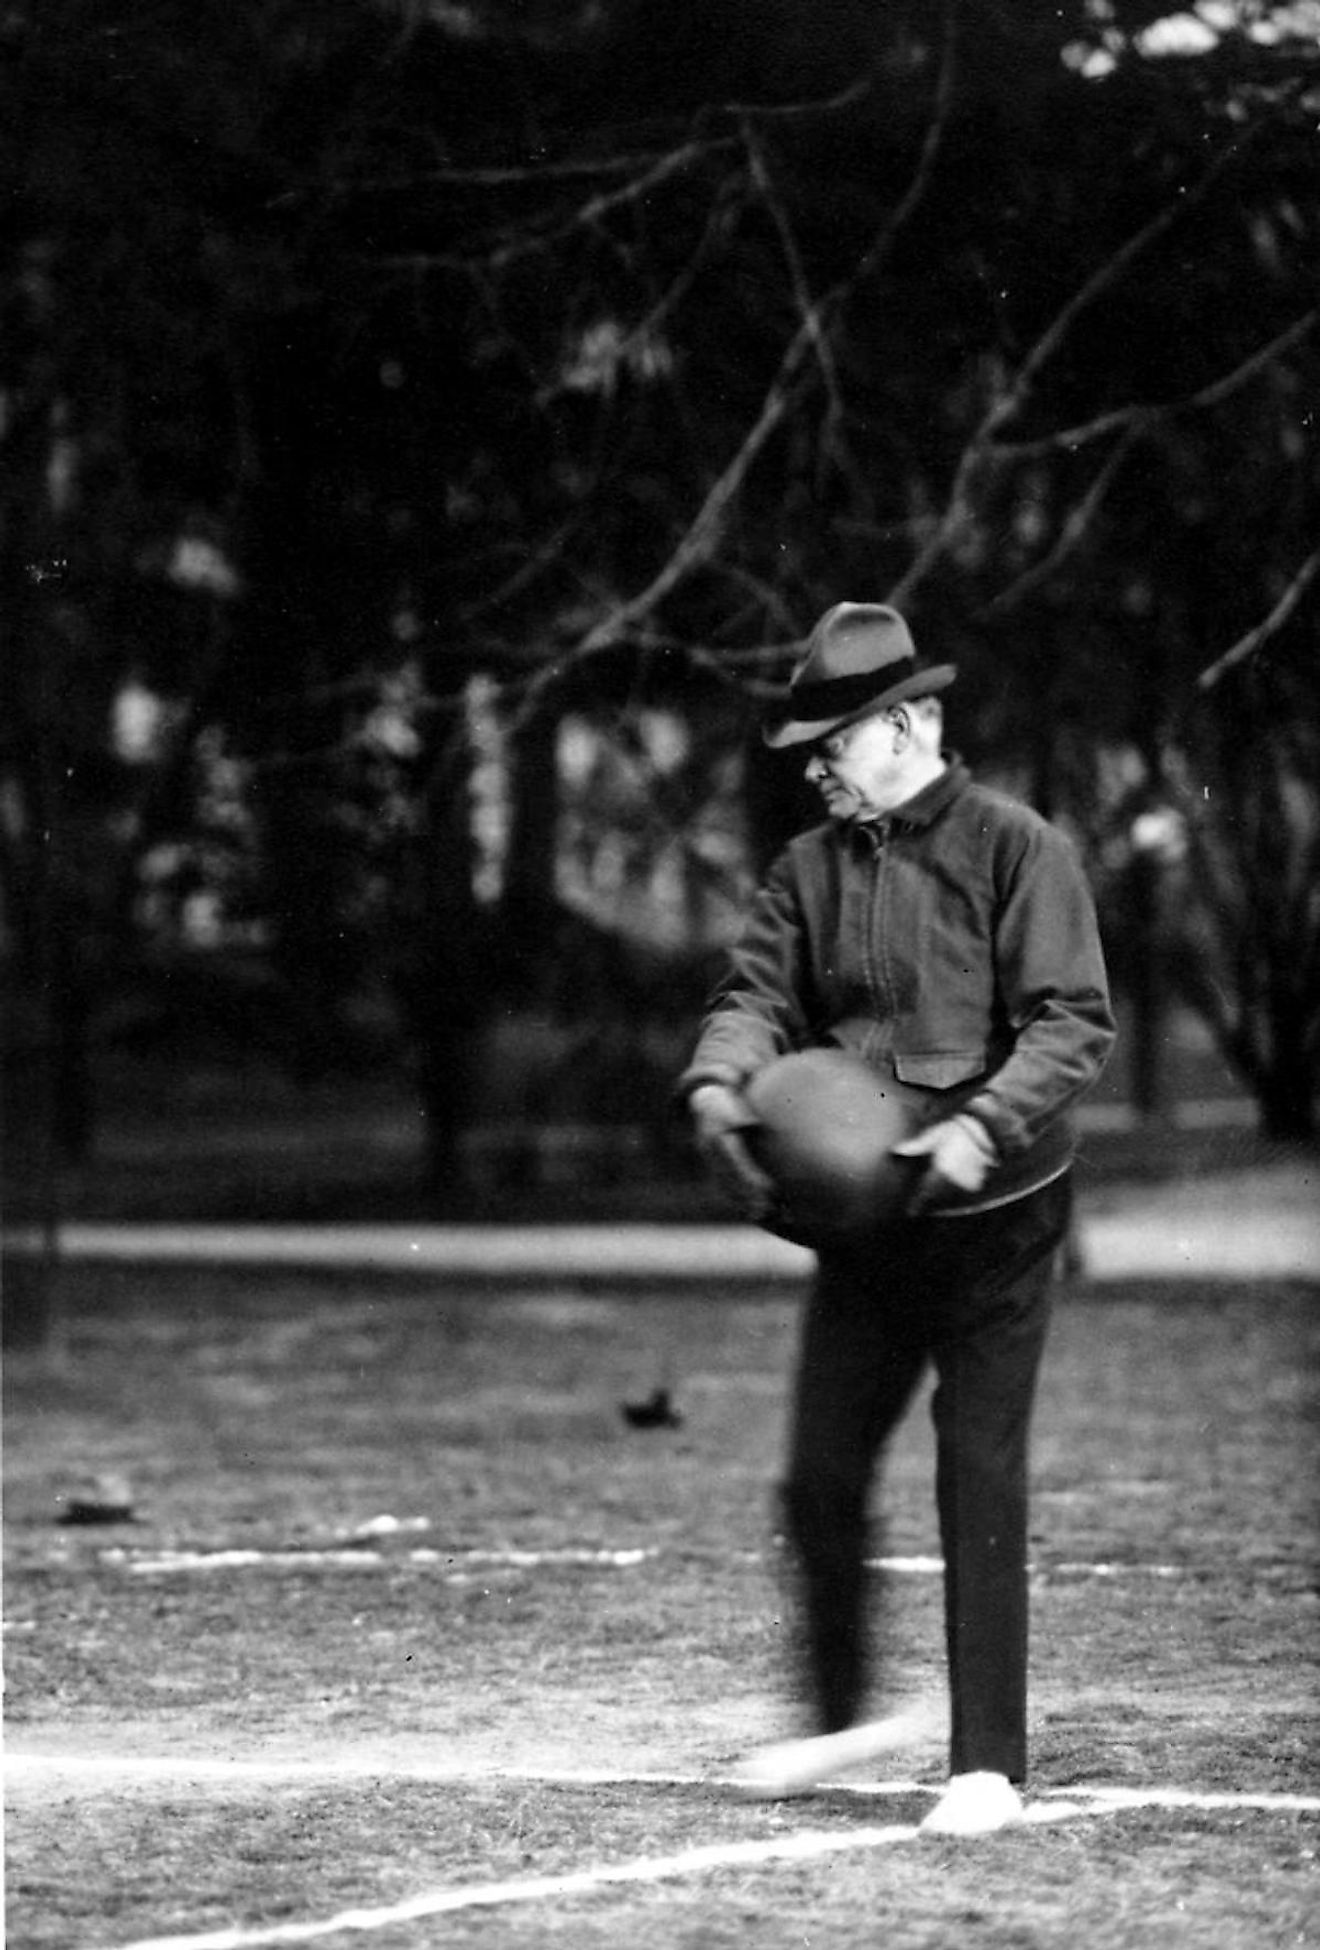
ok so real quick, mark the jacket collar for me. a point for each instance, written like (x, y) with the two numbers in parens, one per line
(925, 806)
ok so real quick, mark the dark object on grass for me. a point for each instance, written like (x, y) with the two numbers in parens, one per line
(656, 1412)
(106, 1499)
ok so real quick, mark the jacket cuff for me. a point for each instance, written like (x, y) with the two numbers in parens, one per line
(694, 1079)
(1007, 1132)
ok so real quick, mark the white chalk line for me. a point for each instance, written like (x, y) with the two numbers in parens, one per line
(529, 1889)
(1062, 1804)
(21, 1768)
(458, 1564)
(176, 1768)
(352, 1557)
(1121, 1797)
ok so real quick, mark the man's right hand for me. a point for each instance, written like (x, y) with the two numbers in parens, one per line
(723, 1118)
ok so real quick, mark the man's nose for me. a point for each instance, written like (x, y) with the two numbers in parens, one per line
(815, 767)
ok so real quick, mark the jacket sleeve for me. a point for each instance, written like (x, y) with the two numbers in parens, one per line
(1051, 986)
(756, 1011)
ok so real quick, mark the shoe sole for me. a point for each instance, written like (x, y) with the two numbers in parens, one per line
(798, 1766)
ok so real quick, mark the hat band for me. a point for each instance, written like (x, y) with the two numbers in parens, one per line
(834, 696)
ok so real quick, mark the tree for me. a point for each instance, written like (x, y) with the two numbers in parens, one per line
(1003, 333)
(607, 394)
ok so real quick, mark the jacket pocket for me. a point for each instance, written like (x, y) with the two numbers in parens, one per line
(940, 1069)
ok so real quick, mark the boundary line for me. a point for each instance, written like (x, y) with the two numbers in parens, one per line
(168, 1768)
(355, 1557)
(1060, 1804)
(145, 1562)
(803, 1846)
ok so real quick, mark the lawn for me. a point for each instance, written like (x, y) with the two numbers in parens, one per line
(408, 1608)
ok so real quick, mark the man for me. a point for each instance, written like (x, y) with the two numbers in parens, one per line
(944, 934)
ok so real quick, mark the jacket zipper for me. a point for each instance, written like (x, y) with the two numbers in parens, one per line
(877, 839)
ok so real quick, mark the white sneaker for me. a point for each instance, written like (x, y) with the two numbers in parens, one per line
(792, 1767)
(975, 1804)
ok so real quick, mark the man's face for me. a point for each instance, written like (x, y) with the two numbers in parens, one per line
(857, 770)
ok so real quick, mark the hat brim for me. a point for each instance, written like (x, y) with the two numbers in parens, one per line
(803, 731)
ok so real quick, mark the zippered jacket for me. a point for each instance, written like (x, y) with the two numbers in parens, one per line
(953, 944)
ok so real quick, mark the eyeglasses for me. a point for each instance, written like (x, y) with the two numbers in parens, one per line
(835, 743)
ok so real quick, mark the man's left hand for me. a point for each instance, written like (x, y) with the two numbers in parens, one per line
(960, 1155)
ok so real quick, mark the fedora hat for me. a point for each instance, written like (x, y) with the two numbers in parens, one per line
(859, 658)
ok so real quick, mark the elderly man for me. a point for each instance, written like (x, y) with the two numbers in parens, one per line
(944, 934)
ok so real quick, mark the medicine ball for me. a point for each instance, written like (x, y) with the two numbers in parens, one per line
(828, 1122)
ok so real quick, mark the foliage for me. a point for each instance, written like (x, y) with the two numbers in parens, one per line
(592, 352)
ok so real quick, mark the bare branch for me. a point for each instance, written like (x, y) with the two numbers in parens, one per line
(647, 329)
(725, 667)
(1070, 536)
(766, 596)
(1139, 418)
(461, 176)
(592, 214)
(1221, 388)
(818, 338)
(958, 509)
(700, 538)
(936, 129)
(797, 111)
(702, 535)
(646, 172)
(1107, 275)
(1254, 640)
(549, 554)
(588, 215)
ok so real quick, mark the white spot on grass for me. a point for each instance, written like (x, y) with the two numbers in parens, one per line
(388, 1526)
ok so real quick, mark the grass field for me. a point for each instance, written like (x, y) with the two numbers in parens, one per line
(258, 1708)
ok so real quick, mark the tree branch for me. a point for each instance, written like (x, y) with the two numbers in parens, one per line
(703, 532)
(1254, 640)
(958, 509)
(812, 321)
(647, 171)
(1107, 275)
(1140, 418)
(1070, 536)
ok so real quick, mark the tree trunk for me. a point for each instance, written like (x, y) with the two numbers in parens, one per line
(29, 1243)
(449, 977)
(1149, 991)
(29, 1269)
(1287, 1089)
(529, 904)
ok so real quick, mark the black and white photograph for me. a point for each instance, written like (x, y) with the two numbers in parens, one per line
(660, 974)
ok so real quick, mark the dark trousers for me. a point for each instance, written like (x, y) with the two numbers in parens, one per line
(971, 1295)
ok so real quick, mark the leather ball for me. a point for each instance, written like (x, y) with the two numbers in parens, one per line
(828, 1122)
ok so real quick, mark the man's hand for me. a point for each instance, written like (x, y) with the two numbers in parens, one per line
(960, 1156)
(722, 1119)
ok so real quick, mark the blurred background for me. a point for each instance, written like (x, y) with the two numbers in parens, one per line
(428, 426)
